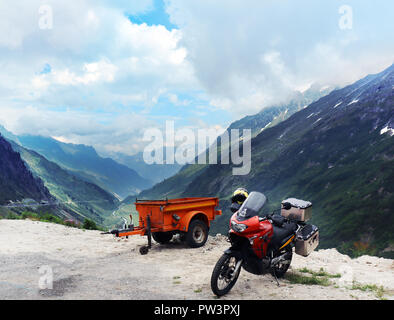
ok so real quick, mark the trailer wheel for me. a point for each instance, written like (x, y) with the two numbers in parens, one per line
(144, 250)
(162, 237)
(197, 234)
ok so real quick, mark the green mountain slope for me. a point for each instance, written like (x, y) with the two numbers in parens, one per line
(333, 153)
(74, 196)
(16, 181)
(84, 162)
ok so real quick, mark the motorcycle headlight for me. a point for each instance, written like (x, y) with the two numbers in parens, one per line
(238, 227)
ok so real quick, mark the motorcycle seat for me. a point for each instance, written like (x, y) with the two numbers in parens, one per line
(278, 220)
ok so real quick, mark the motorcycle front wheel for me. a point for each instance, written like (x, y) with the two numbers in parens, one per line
(224, 275)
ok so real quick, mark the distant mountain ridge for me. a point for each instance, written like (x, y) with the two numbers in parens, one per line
(153, 172)
(271, 116)
(84, 162)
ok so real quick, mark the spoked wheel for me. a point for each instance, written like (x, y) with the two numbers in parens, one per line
(281, 268)
(225, 275)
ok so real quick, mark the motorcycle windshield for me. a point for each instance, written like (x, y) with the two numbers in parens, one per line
(252, 206)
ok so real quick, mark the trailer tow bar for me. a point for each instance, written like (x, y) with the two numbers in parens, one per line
(145, 249)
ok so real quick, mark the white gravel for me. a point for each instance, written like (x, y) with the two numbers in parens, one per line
(87, 265)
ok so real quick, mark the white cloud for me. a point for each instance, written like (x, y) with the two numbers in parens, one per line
(90, 42)
(106, 74)
(105, 131)
(174, 99)
(101, 71)
(100, 63)
(250, 54)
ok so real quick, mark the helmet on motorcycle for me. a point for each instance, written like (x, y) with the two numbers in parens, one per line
(239, 195)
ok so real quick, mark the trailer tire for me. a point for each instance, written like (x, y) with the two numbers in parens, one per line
(197, 234)
(162, 237)
(144, 250)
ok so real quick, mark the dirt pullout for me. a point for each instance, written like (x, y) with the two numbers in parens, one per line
(87, 265)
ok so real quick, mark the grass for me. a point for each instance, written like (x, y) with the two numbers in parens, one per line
(378, 290)
(321, 277)
(176, 280)
(320, 273)
(88, 224)
(13, 216)
(295, 278)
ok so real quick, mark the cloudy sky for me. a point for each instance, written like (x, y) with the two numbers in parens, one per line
(101, 72)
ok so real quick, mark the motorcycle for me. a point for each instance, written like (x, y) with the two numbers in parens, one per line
(262, 244)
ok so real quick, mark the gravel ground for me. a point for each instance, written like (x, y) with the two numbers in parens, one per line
(87, 265)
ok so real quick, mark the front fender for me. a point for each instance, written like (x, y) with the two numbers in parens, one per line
(237, 254)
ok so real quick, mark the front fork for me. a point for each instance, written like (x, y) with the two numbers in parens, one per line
(230, 274)
(238, 266)
(237, 256)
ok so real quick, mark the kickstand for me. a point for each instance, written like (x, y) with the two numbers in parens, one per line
(277, 281)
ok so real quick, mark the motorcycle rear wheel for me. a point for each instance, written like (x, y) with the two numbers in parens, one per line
(223, 276)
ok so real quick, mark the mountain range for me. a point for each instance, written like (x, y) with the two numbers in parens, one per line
(76, 198)
(153, 172)
(79, 183)
(28, 181)
(337, 152)
(84, 162)
(16, 181)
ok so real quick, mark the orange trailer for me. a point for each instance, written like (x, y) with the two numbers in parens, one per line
(162, 219)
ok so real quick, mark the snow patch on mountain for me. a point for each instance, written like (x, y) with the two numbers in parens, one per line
(387, 129)
(265, 126)
(339, 103)
(352, 102)
(317, 120)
